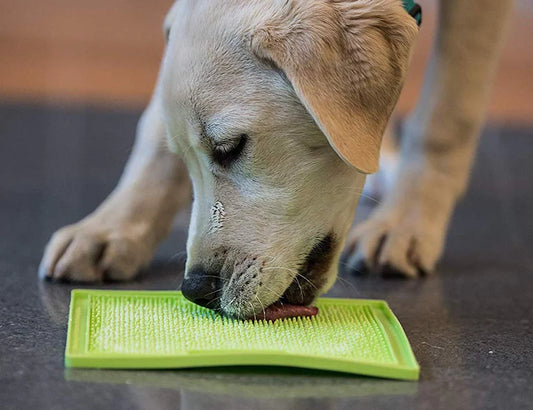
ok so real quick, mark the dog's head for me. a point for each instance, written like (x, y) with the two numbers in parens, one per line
(277, 108)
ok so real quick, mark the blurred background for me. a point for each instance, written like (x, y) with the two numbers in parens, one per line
(107, 52)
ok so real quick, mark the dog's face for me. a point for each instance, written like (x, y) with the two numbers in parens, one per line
(256, 94)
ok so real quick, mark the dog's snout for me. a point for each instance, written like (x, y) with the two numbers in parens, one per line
(201, 287)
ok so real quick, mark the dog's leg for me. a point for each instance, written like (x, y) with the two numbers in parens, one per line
(406, 233)
(117, 239)
(378, 184)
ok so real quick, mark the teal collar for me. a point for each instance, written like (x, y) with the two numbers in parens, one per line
(413, 9)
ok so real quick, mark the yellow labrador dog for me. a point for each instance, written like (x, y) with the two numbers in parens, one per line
(276, 108)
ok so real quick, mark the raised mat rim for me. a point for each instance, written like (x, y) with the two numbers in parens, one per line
(76, 354)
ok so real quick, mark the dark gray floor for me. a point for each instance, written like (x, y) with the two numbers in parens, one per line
(471, 327)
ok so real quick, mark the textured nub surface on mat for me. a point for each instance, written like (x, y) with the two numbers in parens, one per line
(172, 325)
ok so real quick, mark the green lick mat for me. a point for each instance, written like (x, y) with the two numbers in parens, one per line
(153, 329)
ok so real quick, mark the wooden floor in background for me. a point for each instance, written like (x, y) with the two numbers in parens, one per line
(107, 52)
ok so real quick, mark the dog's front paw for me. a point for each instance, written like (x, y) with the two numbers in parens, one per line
(92, 251)
(395, 242)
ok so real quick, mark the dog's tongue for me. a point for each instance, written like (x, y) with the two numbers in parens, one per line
(279, 311)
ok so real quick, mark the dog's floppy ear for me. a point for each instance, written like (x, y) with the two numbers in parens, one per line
(346, 60)
(169, 19)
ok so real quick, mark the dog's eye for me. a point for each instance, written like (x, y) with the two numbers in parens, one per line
(225, 154)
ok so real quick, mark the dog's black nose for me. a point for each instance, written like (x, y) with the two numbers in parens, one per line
(201, 287)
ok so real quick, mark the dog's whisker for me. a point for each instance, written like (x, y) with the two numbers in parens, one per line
(262, 306)
(356, 191)
(213, 292)
(268, 288)
(307, 279)
(280, 267)
(215, 276)
(214, 302)
(295, 272)
(349, 267)
(253, 310)
(229, 303)
(301, 290)
(340, 278)
(177, 255)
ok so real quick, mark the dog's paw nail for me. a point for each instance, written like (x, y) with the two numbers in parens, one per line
(60, 274)
(423, 272)
(60, 279)
(42, 273)
(391, 272)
